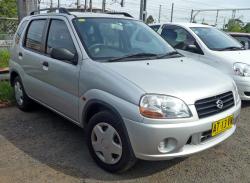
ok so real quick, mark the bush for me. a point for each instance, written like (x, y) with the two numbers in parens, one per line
(4, 58)
(6, 92)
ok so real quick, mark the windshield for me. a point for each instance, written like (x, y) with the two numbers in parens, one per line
(215, 39)
(108, 39)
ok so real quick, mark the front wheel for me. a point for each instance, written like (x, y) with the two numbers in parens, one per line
(108, 143)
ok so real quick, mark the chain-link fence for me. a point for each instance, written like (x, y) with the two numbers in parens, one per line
(8, 28)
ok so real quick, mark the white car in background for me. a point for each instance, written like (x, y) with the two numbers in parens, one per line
(209, 45)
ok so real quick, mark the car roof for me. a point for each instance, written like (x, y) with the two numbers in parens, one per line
(239, 33)
(183, 24)
(83, 15)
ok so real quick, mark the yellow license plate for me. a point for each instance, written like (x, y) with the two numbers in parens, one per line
(222, 125)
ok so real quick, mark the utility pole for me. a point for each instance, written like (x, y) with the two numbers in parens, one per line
(191, 18)
(143, 10)
(172, 12)
(25, 7)
(233, 14)
(122, 3)
(85, 5)
(38, 4)
(159, 19)
(58, 3)
(103, 5)
(78, 4)
(90, 5)
(217, 15)
(51, 4)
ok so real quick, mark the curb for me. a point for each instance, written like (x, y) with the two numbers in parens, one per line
(5, 104)
(4, 70)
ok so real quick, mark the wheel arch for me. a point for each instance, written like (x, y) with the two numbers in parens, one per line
(13, 75)
(94, 106)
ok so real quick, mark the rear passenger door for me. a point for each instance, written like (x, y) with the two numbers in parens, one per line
(31, 56)
(60, 77)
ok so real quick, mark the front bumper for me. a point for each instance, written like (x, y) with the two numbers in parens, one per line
(243, 84)
(181, 138)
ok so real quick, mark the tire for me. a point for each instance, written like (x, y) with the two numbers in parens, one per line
(106, 134)
(23, 102)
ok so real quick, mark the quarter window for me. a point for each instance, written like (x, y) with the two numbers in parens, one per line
(59, 37)
(34, 35)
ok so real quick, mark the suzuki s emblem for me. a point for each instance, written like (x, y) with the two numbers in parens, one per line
(219, 104)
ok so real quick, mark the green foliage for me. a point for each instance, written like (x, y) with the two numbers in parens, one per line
(235, 25)
(150, 20)
(6, 92)
(247, 28)
(4, 58)
(8, 8)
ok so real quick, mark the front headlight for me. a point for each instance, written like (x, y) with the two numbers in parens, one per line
(241, 69)
(163, 107)
(236, 93)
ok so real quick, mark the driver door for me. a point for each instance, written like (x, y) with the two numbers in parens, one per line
(60, 77)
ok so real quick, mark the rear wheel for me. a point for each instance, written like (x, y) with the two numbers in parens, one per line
(23, 102)
(108, 143)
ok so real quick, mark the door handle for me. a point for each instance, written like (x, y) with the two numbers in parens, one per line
(20, 55)
(45, 66)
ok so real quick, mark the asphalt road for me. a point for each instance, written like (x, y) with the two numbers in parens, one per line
(43, 147)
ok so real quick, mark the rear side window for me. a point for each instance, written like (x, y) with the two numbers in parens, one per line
(34, 35)
(20, 31)
(59, 37)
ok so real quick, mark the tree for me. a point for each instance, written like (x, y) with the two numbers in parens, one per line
(235, 25)
(247, 28)
(8, 8)
(150, 20)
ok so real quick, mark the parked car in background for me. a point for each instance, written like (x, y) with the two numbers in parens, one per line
(211, 46)
(134, 94)
(243, 38)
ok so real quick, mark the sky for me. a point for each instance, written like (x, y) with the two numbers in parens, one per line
(182, 9)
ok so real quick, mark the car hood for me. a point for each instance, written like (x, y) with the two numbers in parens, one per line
(180, 77)
(242, 56)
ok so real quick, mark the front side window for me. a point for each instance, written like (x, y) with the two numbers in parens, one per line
(34, 35)
(215, 39)
(178, 37)
(109, 38)
(59, 37)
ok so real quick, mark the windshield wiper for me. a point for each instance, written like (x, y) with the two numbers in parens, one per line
(231, 48)
(170, 54)
(137, 55)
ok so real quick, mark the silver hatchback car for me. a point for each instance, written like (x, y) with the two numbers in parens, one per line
(114, 76)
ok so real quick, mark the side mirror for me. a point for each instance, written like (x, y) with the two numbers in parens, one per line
(64, 54)
(245, 44)
(194, 49)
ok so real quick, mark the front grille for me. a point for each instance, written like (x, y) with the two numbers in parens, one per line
(208, 107)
